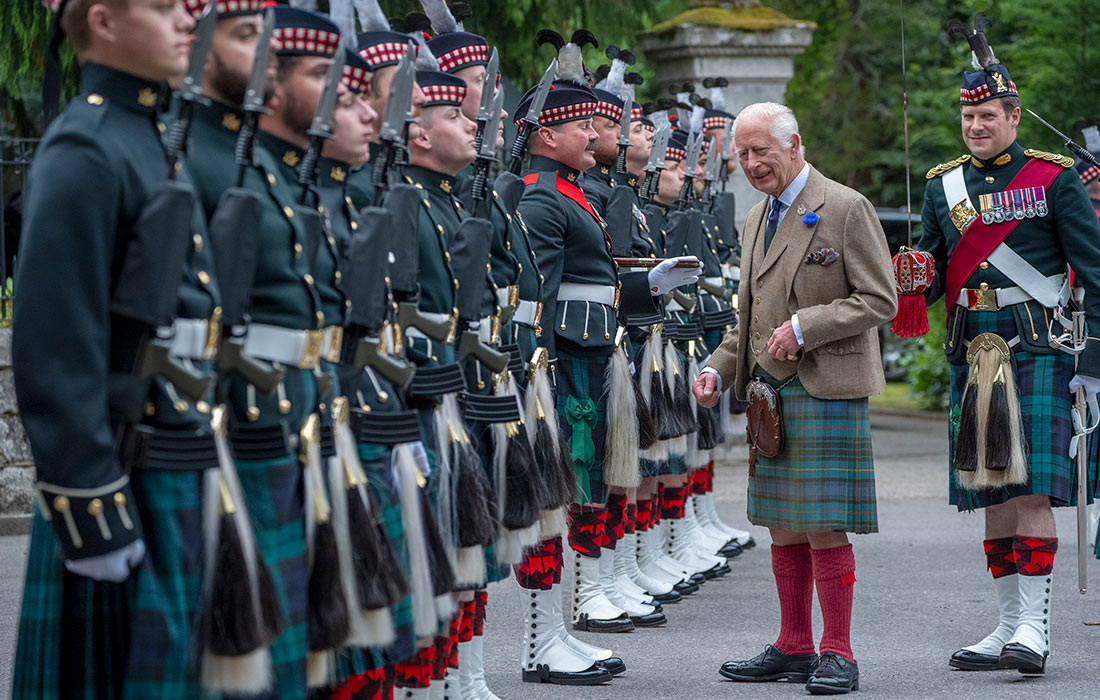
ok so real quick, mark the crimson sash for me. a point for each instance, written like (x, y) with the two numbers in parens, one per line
(981, 239)
(576, 194)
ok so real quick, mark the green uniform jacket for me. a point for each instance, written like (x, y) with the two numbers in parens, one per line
(281, 296)
(1068, 234)
(571, 245)
(74, 360)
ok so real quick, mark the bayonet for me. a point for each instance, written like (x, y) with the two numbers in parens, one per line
(657, 159)
(1077, 151)
(627, 96)
(320, 129)
(488, 94)
(191, 91)
(727, 144)
(253, 104)
(691, 163)
(486, 153)
(395, 124)
(711, 174)
(531, 119)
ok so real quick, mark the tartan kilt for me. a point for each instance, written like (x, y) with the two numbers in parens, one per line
(582, 377)
(136, 639)
(824, 479)
(1042, 383)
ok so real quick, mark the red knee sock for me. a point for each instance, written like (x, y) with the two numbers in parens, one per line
(794, 580)
(834, 574)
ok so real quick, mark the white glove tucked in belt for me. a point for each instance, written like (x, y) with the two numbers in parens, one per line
(114, 567)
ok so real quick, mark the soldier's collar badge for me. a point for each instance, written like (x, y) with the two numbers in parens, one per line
(147, 98)
(338, 173)
(291, 158)
(231, 121)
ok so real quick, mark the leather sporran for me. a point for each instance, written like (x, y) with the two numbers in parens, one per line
(765, 422)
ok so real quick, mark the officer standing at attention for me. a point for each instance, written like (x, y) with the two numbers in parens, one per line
(107, 314)
(1026, 217)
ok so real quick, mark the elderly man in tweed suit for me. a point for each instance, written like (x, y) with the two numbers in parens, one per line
(816, 282)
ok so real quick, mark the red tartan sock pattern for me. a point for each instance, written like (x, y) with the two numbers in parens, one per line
(439, 663)
(452, 647)
(559, 557)
(537, 571)
(630, 522)
(644, 515)
(389, 681)
(369, 685)
(417, 671)
(674, 502)
(792, 567)
(658, 505)
(587, 532)
(834, 574)
(1034, 555)
(709, 471)
(614, 519)
(481, 601)
(999, 557)
(697, 481)
(465, 623)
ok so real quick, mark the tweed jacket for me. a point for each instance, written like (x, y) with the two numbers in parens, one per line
(839, 303)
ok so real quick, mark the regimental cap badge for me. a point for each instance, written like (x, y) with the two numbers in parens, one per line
(990, 79)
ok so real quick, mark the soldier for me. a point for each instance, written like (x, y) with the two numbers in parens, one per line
(1032, 218)
(581, 296)
(110, 317)
(1089, 173)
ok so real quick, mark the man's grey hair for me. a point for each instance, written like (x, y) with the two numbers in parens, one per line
(783, 123)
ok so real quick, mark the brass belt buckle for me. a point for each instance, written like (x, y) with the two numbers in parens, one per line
(982, 299)
(336, 342)
(213, 334)
(311, 355)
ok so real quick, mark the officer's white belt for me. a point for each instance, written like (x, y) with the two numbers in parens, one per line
(1007, 296)
(525, 312)
(595, 293)
(286, 346)
(730, 272)
(485, 329)
(720, 281)
(191, 339)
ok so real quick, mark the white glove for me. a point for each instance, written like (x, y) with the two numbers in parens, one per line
(114, 567)
(666, 276)
(1091, 385)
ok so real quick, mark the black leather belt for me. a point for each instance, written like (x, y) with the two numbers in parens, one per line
(328, 441)
(171, 450)
(385, 427)
(432, 382)
(515, 358)
(719, 319)
(252, 443)
(481, 408)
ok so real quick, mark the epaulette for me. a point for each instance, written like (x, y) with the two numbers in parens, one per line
(944, 167)
(1064, 161)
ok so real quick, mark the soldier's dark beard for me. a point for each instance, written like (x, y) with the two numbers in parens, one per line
(232, 85)
(297, 115)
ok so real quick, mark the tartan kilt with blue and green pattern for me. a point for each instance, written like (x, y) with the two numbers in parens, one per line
(80, 638)
(580, 380)
(824, 479)
(1042, 383)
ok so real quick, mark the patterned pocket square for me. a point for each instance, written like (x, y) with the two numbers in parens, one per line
(825, 256)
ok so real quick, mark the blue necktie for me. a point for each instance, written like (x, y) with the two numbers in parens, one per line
(773, 224)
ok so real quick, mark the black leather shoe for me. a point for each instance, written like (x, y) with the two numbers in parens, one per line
(748, 545)
(1022, 659)
(771, 665)
(670, 598)
(593, 675)
(613, 665)
(730, 549)
(656, 605)
(684, 588)
(965, 660)
(653, 619)
(698, 579)
(622, 623)
(834, 675)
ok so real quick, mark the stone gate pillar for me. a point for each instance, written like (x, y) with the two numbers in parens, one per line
(751, 45)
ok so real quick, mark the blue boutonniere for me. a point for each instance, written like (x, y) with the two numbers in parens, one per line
(810, 219)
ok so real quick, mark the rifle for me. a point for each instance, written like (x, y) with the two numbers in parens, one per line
(148, 287)
(711, 174)
(366, 253)
(395, 128)
(694, 146)
(531, 119)
(656, 163)
(470, 258)
(1077, 151)
(235, 233)
(488, 90)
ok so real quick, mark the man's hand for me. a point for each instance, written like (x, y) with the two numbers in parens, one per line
(706, 389)
(783, 345)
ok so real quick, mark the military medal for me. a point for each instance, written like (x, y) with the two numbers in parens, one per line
(1040, 201)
